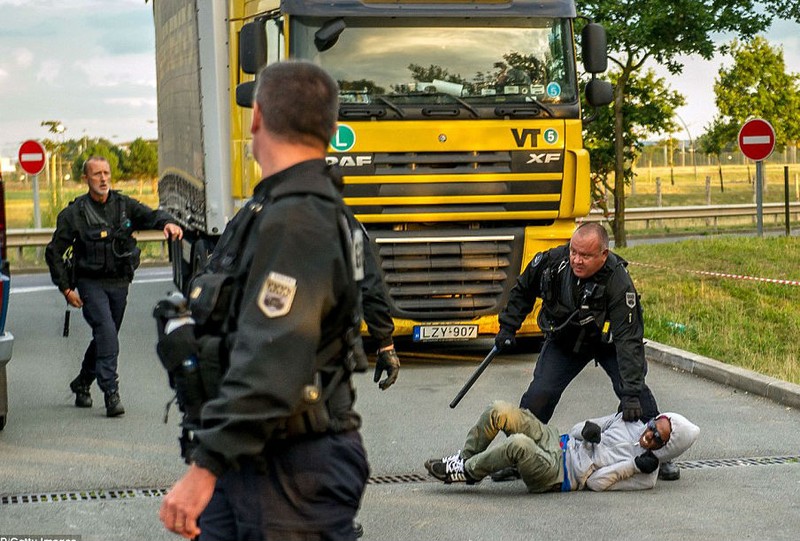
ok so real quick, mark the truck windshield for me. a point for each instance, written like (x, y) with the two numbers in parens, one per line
(471, 63)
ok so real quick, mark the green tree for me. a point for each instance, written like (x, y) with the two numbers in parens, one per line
(98, 147)
(649, 109)
(141, 160)
(642, 30)
(717, 138)
(757, 85)
(785, 9)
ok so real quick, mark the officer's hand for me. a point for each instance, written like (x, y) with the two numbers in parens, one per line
(73, 298)
(505, 339)
(631, 409)
(173, 232)
(591, 432)
(647, 462)
(184, 502)
(177, 346)
(389, 361)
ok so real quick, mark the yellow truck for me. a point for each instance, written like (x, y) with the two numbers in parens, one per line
(459, 135)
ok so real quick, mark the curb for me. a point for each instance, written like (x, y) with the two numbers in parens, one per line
(782, 392)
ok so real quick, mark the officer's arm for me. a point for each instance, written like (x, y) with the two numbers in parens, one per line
(627, 328)
(524, 293)
(63, 237)
(143, 217)
(374, 300)
(293, 283)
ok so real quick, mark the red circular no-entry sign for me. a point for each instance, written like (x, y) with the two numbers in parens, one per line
(757, 139)
(32, 157)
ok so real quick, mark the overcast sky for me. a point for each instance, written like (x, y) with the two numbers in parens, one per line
(91, 65)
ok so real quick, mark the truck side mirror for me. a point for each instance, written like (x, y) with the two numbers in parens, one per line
(253, 46)
(594, 48)
(327, 36)
(599, 93)
(244, 94)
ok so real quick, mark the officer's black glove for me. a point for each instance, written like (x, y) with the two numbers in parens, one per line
(631, 409)
(177, 346)
(591, 432)
(505, 339)
(389, 361)
(647, 462)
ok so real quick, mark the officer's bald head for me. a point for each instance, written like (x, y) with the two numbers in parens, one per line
(588, 249)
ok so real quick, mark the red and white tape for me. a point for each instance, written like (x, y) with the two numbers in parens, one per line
(726, 275)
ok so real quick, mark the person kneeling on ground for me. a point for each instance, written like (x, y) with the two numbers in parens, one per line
(599, 454)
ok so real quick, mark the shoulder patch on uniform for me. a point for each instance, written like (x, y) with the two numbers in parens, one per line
(537, 259)
(277, 294)
(630, 299)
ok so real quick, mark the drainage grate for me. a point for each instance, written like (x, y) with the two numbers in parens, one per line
(123, 494)
(394, 479)
(735, 462)
(86, 495)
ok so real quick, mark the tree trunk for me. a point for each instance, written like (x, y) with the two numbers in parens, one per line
(618, 225)
(719, 164)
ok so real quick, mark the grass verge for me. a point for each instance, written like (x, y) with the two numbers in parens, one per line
(742, 322)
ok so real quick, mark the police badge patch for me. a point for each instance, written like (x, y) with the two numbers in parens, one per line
(277, 294)
(630, 299)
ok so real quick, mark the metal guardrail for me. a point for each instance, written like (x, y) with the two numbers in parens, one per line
(696, 211)
(21, 238)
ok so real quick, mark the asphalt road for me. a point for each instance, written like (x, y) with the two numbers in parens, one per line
(74, 472)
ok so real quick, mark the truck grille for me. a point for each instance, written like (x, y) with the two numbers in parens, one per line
(449, 275)
(454, 183)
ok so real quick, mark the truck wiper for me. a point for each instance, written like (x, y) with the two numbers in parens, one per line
(390, 105)
(528, 109)
(458, 100)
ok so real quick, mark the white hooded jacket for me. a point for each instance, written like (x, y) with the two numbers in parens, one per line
(609, 465)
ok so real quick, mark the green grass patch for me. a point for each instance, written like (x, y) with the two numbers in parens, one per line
(741, 322)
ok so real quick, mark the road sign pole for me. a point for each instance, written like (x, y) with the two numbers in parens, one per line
(37, 211)
(760, 198)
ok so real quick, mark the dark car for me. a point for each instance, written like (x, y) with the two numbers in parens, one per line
(6, 338)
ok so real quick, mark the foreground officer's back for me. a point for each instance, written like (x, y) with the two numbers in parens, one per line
(282, 430)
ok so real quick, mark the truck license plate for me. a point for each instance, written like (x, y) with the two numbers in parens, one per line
(433, 333)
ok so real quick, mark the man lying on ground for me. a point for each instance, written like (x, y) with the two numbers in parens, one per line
(600, 454)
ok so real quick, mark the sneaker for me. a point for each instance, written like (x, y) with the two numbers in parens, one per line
(668, 471)
(511, 473)
(114, 405)
(452, 471)
(83, 399)
(432, 461)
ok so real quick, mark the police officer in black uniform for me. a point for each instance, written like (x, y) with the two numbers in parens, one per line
(279, 455)
(590, 311)
(98, 229)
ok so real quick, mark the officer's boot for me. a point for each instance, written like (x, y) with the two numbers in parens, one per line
(114, 405)
(82, 397)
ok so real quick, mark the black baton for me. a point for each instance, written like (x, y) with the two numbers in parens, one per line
(65, 332)
(474, 377)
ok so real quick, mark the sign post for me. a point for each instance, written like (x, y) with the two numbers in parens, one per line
(32, 158)
(757, 141)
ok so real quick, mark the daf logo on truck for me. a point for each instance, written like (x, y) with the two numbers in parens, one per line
(353, 164)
